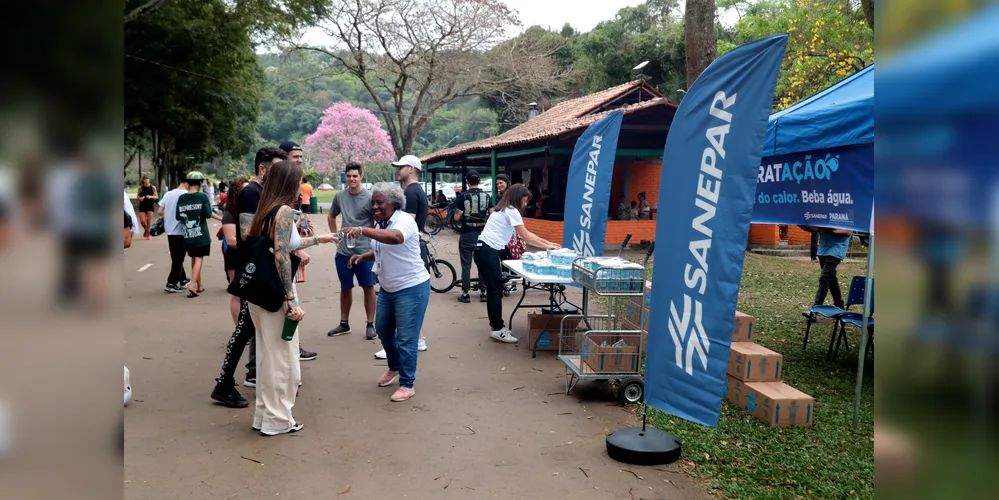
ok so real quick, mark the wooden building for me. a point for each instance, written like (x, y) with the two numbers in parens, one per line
(537, 154)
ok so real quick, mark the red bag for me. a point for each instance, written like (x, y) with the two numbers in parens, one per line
(516, 247)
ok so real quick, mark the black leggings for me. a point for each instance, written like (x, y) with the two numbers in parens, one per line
(487, 260)
(244, 332)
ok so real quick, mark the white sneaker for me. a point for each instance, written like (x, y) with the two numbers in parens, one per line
(422, 346)
(504, 335)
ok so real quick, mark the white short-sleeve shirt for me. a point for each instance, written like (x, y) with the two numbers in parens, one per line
(500, 227)
(400, 266)
(169, 203)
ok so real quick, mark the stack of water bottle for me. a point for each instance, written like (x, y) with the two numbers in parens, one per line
(555, 263)
(609, 275)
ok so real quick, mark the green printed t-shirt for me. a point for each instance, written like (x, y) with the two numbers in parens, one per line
(193, 212)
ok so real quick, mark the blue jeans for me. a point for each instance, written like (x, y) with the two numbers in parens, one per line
(398, 320)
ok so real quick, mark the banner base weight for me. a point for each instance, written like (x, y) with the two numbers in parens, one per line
(638, 446)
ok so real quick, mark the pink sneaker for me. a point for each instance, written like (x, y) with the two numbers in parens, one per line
(387, 379)
(402, 394)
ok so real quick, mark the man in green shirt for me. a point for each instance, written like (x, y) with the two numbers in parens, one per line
(193, 211)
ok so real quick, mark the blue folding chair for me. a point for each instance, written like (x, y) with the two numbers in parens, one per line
(854, 296)
(856, 320)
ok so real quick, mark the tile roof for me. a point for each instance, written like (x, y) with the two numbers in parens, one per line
(563, 117)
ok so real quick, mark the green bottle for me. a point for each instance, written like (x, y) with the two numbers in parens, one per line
(288, 332)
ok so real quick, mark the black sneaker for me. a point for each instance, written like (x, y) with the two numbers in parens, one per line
(172, 288)
(370, 333)
(464, 298)
(183, 283)
(228, 396)
(251, 380)
(304, 355)
(482, 297)
(340, 329)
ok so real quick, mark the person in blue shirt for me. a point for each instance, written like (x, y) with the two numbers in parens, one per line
(833, 244)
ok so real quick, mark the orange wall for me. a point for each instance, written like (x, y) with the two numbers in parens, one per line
(617, 188)
(798, 236)
(641, 230)
(645, 177)
(764, 234)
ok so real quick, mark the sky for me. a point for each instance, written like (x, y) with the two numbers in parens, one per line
(583, 15)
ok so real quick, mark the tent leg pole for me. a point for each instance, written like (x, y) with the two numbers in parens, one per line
(862, 349)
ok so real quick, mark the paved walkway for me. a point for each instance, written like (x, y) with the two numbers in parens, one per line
(487, 421)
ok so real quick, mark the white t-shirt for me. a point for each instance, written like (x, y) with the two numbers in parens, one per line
(500, 227)
(169, 203)
(400, 266)
(130, 210)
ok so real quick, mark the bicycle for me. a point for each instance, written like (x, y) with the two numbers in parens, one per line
(442, 274)
(435, 222)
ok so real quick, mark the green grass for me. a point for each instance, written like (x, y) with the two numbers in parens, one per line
(745, 458)
(324, 196)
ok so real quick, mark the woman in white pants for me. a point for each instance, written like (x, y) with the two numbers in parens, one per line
(278, 370)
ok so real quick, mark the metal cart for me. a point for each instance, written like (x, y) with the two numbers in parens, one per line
(606, 347)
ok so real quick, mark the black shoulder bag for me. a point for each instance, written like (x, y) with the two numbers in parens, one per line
(257, 280)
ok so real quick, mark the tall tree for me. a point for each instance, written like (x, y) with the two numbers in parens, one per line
(530, 68)
(415, 56)
(605, 56)
(192, 83)
(345, 134)
(828, 41)
(700, 39)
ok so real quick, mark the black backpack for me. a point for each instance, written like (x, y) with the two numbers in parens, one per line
(480, 203)
(257, 280)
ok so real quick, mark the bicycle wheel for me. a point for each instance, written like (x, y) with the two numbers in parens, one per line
(442, 276)
(455, 225)
(434, 223)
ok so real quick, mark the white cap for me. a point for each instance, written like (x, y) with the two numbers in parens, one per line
(409, 161)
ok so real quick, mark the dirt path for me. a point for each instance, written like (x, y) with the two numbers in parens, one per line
(487, 421)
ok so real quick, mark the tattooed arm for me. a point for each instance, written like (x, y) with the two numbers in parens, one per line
(245, 221)
(284, 225)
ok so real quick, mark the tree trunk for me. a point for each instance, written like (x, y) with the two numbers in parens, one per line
(699, 37)
(868, 6)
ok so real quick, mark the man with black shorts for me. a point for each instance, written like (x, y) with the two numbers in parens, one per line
(354, 205)
(225, 388)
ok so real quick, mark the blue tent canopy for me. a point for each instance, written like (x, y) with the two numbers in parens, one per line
(841, 115)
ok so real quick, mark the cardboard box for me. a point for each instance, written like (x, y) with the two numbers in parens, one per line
(735, 391)
(633, 314)
(537, 321)
(779, 404)
(775, 403)
(609, 359)
(742, 331)
(750, 362)
(548, 340)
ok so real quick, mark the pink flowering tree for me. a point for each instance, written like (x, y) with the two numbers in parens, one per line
(345, 134)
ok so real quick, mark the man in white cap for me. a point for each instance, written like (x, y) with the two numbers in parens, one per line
(408, 169)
